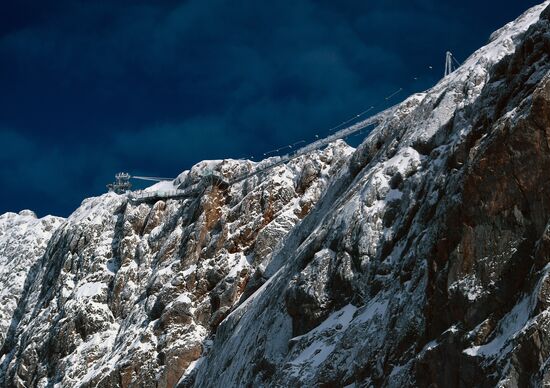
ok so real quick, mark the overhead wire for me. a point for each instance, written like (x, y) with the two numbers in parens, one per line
(181, 193)
(354, 118)
(297, 152)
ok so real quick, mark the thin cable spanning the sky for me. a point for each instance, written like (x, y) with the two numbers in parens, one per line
(351, 119)
(352, 130)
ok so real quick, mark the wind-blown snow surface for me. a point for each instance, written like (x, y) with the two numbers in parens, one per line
(419, 259)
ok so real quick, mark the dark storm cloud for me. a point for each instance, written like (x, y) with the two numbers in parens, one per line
(90, 88)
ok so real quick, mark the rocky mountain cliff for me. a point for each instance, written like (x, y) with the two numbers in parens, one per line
(23, 240)
(418, 259)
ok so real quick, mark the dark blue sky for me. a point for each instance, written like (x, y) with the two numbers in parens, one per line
(89, 88)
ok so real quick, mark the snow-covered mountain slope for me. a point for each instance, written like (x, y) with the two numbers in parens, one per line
(23, 240)
(418, 259)
(424, 261)
(130, 294)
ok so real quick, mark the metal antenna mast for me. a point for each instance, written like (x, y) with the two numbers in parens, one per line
(448, 63)
(449, 59)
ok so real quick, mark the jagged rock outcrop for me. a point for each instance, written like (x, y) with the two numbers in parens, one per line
(128, 295)
(23, 240)
(419, 259)
(422, 264)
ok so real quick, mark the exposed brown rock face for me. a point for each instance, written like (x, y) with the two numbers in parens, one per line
(495, 233)
(128, 295)
(425, 265)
